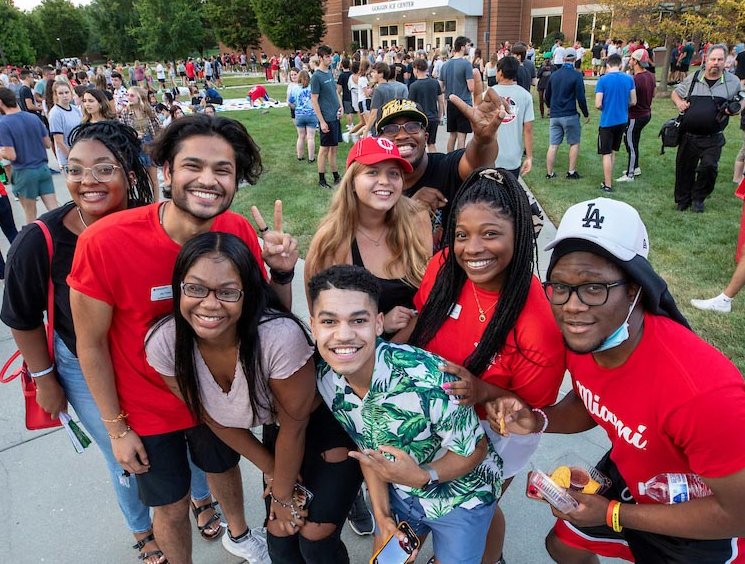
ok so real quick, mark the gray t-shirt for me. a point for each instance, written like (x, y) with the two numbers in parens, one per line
(510, 132)
(384, 93)
(323, 84)
(62, 121)
(454, 74)
(284, 350)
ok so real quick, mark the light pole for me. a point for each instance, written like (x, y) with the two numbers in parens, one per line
(61, 50)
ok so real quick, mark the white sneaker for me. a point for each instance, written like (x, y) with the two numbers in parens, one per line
(252, 547)
(637, 171)
(345, 136)
(625, 178)
(718, 304)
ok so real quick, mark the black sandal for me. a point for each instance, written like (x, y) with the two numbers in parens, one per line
(197, 511)
(140, 544)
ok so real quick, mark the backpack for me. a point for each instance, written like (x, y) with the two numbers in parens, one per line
(670, 132)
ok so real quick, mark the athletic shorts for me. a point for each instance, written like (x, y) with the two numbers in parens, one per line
(457, 122)
(562, 127)
(683, 67)
(169, 477)
(182, 74)
(162, 81)
(307, 121)
(348, 107)
(30, 183)
(640, 546)
(432, 131)
(597, 62)
(364, 106)
(333, 137)
(610, 138)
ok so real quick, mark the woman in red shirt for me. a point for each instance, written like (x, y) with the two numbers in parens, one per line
(481, 307)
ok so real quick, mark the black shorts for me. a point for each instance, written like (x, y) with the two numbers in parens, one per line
(432, 131)
(364, 105)
(182, 74)
(457, 122)
(638, 546)
(333, 137)
(162, 81)
(610, 138)
(334, 484)
(683, 67)
(169, 477)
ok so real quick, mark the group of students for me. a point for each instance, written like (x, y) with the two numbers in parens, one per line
(431, 367)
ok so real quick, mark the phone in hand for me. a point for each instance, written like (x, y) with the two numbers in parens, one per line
(396, 551)
(302, 496)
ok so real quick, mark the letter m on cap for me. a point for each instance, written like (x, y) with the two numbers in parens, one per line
(592, 217)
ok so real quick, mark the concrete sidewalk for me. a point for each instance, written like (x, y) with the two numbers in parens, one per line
(59, 507)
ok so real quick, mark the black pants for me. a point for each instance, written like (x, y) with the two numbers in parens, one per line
(631, 140)
(696, 167)
(8, 226)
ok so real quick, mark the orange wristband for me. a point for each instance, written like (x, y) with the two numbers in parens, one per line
(609, 513)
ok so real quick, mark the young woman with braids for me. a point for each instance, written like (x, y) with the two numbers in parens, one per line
(104, 175)
(239, 359)
(482, 308)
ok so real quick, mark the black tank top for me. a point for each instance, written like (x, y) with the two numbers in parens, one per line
(394, 292)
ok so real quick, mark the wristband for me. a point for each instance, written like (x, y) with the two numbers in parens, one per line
(281, 277)
(41, 372)
(617, 518)
(609, 512)
(545, 419)
(120, 435)
(118, 418)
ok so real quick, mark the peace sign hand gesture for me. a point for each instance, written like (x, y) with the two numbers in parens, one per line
(280, 249)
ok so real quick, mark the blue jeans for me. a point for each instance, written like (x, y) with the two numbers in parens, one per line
(457, 536)
(79, 396)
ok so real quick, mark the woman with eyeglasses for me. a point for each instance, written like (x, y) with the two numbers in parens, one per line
(104, 175)
(239, 359)
(482, 308)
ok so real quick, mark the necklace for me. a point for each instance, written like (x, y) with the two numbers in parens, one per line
(375, 242)
(80, 215)
(482, 311)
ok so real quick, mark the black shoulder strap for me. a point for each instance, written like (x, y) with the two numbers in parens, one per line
(693, 83)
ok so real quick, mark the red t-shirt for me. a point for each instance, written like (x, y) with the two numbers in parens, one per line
(532, 362)
(676, 405)
(258, 92)
(129, 266)
(189, 69)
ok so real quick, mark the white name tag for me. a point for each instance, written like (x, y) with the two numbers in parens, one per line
(455, 312)
(160, 293)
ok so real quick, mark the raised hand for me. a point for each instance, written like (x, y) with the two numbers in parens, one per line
(280, 249)
(486, 115)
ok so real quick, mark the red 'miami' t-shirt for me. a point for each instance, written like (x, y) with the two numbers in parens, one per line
(126, 260)
(531, 363)
(676, 405)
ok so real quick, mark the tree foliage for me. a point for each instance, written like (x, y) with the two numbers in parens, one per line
(64, 30)
(234, 23)
(14, 39)
(290, 24)
(169, 29)
(114, 21)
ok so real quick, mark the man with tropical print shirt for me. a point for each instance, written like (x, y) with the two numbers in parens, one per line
(424, 457)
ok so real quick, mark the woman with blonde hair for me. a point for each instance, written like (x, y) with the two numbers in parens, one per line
(371, 224)
(140, 116)
(96, 106)
(306, 121)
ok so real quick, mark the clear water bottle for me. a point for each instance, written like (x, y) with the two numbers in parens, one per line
(674, 488)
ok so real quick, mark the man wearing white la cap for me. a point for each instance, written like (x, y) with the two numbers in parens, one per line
(669, 402)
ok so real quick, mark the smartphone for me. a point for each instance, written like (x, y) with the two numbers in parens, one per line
(302, 496)
(396, 551)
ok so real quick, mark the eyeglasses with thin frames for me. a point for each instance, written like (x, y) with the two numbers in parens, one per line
(392, 129)
(200, 292)
(590, 294)
(102, 172)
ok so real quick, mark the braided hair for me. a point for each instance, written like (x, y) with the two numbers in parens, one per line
(123, 142)
(498, 189)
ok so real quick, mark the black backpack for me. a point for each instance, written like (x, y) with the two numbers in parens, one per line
(670, 132)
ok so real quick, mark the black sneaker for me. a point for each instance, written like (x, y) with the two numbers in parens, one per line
(683, 206)
(325, 185)
(605, 188)
(697, 206)
(550, 175)
(360, 517)
(573, 175)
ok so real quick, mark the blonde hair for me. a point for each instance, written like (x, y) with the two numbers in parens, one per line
(57, 84)
(337, 229)
(303, 78)
(143, 104)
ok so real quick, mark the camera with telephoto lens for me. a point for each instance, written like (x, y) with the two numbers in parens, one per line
(730, 107)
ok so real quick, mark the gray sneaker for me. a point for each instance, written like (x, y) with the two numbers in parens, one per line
(251, 546)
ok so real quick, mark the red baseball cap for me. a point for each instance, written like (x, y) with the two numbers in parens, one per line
(373, 150)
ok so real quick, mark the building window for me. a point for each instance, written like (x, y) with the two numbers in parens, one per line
(420, 43)
(362, 37)
(450, 25)
(383, 31)
(388, 30)
(359, 3)
(591, 27)
(445, 26)
(384, 44)
(541, 26)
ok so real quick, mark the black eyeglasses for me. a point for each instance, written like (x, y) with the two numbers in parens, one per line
(201, 292)
(590, 294)
(392, 129)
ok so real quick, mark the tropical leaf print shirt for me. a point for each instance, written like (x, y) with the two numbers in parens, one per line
(407, 408)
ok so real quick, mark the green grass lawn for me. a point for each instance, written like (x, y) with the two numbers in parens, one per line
(693, 252)
(243, 80)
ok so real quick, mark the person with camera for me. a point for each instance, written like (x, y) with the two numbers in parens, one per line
(715, 97)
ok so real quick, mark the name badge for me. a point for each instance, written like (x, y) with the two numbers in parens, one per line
(455, 312)
(160, 293)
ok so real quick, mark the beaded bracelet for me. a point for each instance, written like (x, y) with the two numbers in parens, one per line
(120, 435)
(118, 418)
(42, 372)
(545, 419)
(279, 501)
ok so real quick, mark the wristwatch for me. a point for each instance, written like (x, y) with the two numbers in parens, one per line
(434, 478)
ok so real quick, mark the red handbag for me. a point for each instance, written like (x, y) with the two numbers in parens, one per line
(36, 417)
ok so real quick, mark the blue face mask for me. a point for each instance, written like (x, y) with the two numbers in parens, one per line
(620, 335)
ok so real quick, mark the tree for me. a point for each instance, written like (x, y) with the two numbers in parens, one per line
(113, 21)
(169, 29)
(710, 20)
(14, 39)
(289, 24)
(234, 23)
(64, 30)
